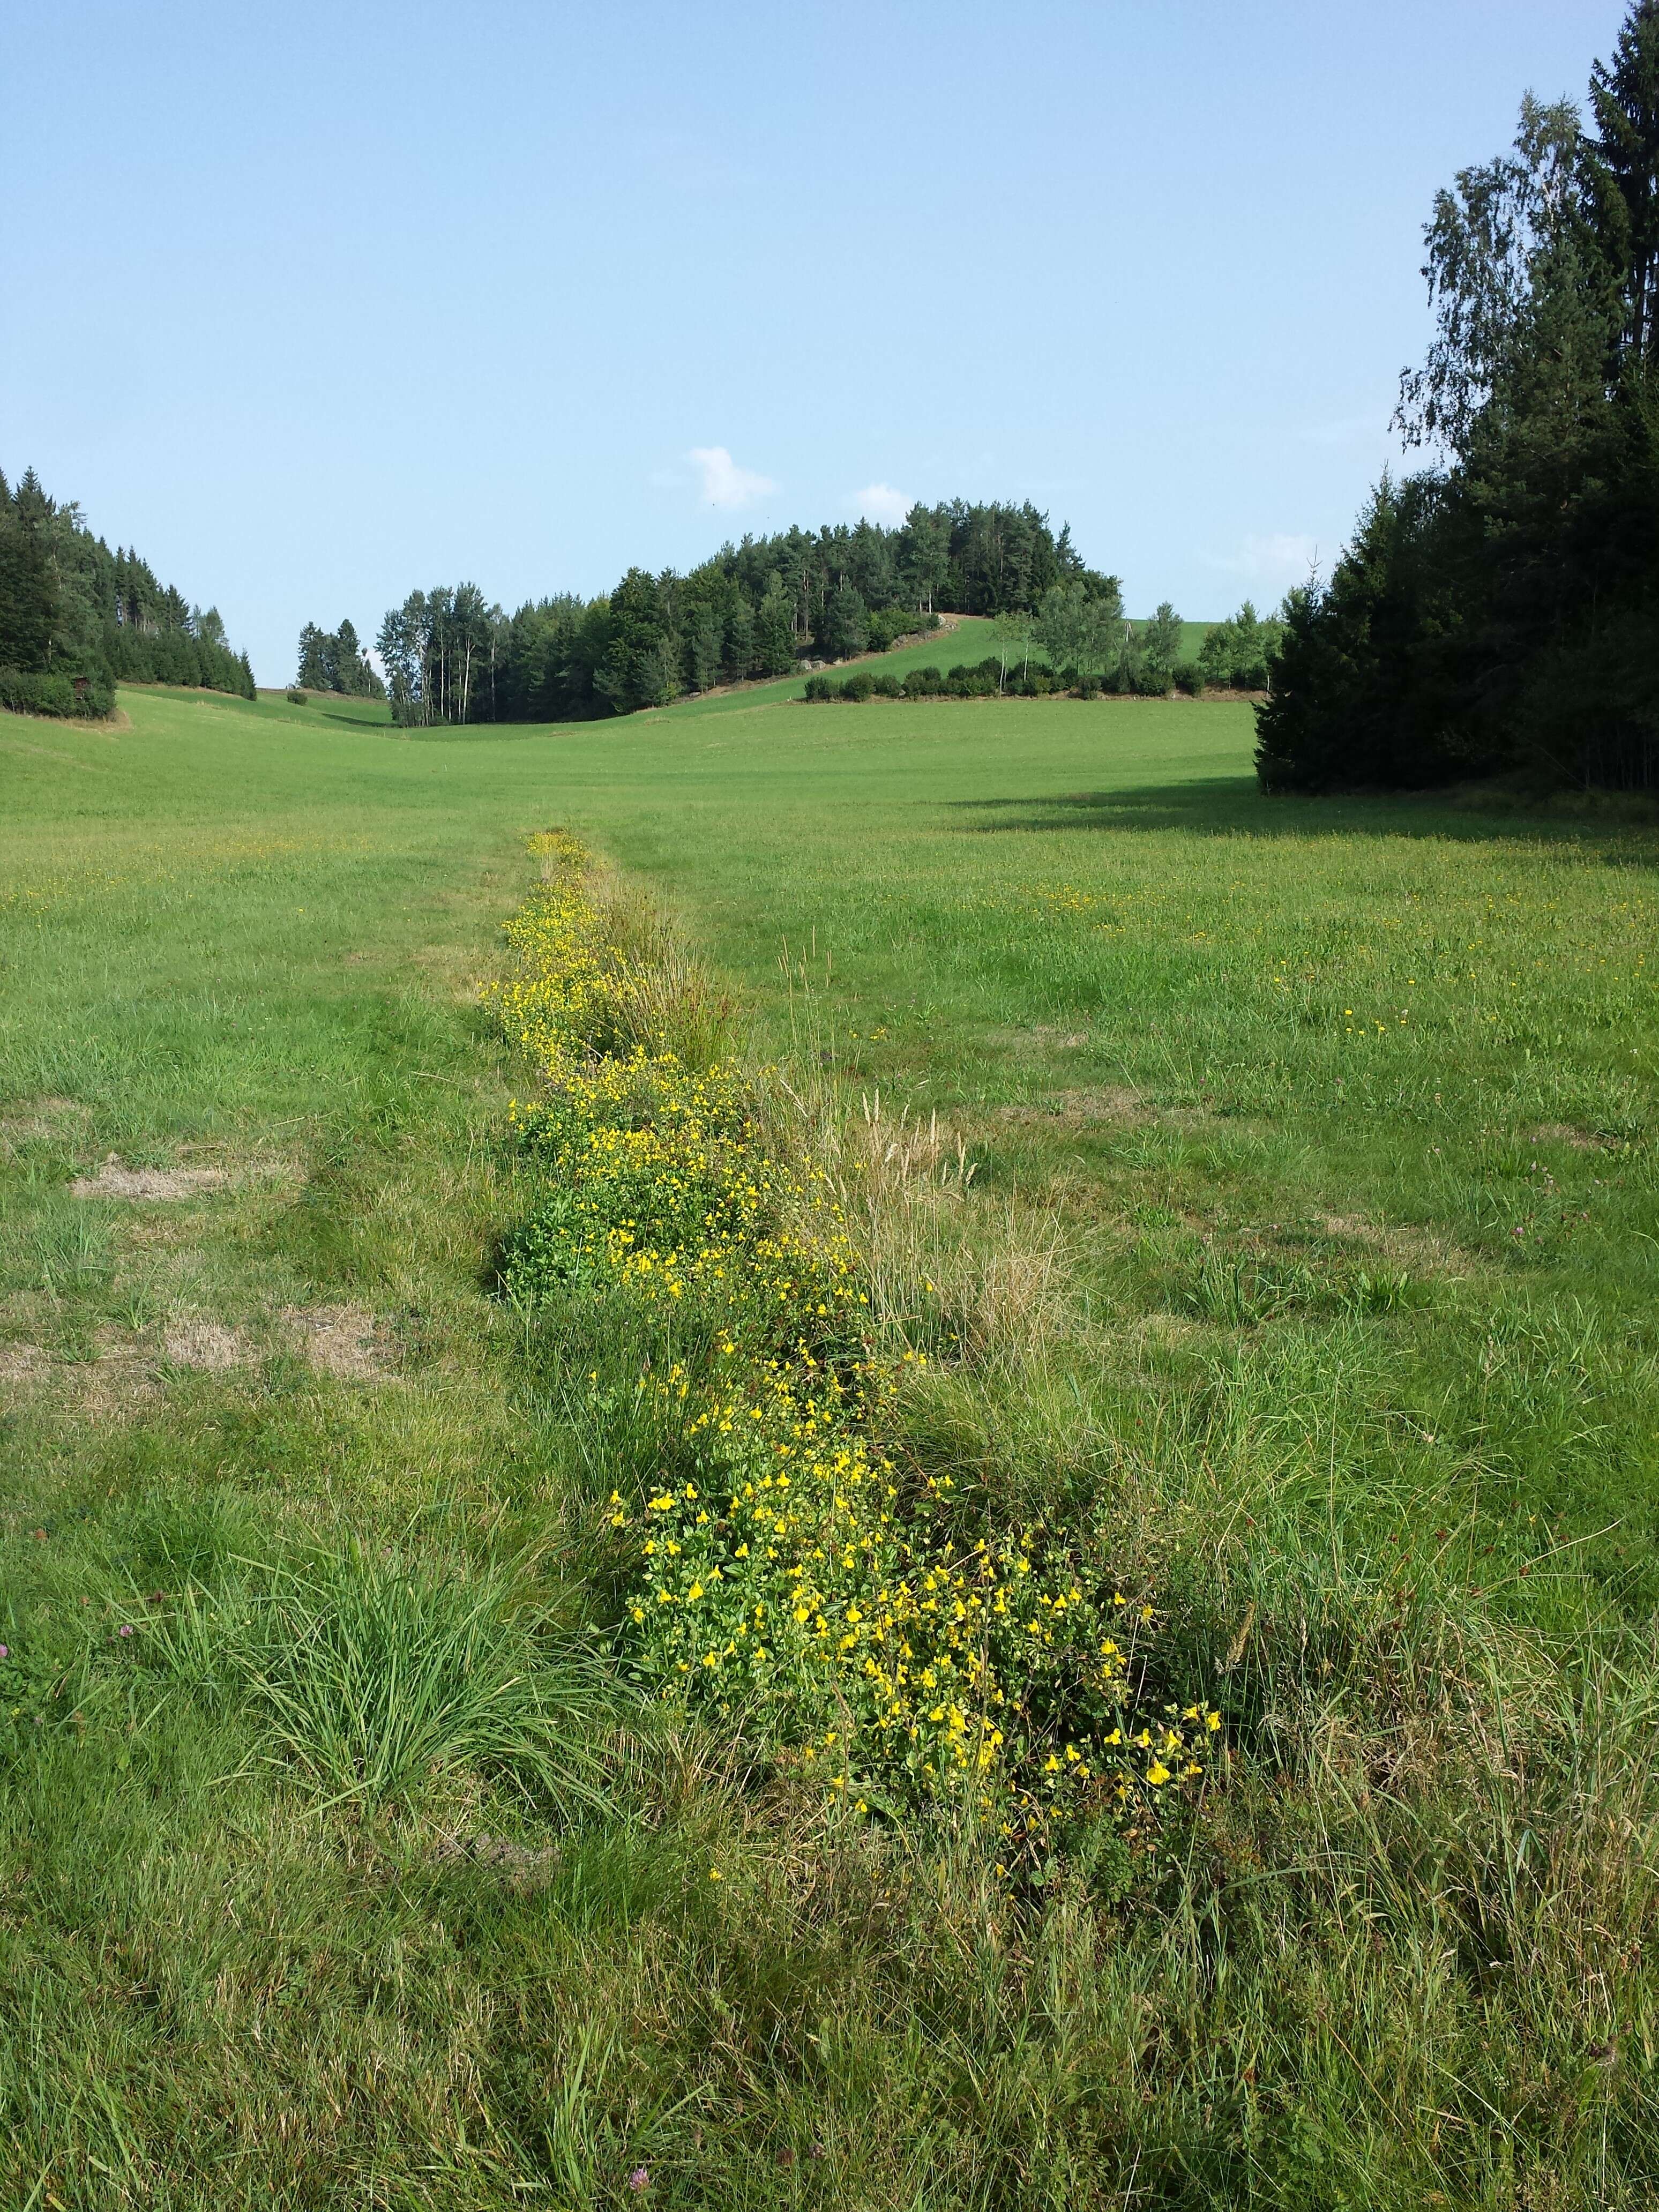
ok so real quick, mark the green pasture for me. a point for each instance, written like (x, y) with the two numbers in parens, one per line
(1313, 1195)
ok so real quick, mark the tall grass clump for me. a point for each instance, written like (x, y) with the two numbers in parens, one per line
(375, 1676)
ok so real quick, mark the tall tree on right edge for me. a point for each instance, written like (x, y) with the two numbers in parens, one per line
(1497, 612)
(1622, 165)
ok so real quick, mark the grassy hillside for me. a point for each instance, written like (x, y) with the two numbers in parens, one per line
(326, 706)
(1308, 1263)
(971, 639)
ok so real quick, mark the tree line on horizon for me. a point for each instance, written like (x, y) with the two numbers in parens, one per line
(76, 617)
(1499, 612)
(763, 607)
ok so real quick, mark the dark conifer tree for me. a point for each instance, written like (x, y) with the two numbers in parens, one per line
(1622, 163)
(334, 660)
(845, 627)
(28, 594)
(1498, 611)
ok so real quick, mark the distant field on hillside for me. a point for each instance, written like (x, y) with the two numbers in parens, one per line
(970, 641)
(1312, 1200)
(328, 706)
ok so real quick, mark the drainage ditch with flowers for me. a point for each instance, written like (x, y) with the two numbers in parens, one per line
(789, 1563)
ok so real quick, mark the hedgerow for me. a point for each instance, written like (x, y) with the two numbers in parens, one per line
(788, 1564)
(25, 692)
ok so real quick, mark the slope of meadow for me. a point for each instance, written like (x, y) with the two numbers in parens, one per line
(1287, 1173)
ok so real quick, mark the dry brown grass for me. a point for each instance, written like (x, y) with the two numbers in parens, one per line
(346, 1342)
(115, 1180)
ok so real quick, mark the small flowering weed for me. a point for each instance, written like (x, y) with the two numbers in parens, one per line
(785, 1568)
(31, 1680)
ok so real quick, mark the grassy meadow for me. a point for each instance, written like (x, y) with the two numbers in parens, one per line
(1285, 1175)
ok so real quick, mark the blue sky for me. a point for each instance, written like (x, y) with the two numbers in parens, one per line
(315, 304)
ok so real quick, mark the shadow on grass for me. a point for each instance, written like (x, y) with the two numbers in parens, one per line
(358, 722)
(1234, 806)
(482, 733)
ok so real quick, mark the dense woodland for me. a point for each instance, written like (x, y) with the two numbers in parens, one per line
(335, 661)
(77, 618)
(760, 608)
(1499, 612)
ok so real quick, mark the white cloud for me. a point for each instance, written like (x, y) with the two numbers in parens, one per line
(724, 483)
(1275, 562)
(879, 503)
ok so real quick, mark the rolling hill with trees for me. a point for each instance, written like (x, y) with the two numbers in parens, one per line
(754, 609)
(77, 618)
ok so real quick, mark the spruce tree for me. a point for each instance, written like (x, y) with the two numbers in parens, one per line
(1160, 641)
(739, 641)
(28, 594)
(1622, 167)
(347, 659)
(312, 674)
(774, 636)
(845, 627)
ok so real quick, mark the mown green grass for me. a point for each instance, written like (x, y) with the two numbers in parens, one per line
(1312, 1227)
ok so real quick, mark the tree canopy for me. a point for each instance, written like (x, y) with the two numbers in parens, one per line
(1496, 610)
(76, 617)
(334, 660)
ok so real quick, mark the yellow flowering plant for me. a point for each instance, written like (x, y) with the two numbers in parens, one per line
(784, 1566)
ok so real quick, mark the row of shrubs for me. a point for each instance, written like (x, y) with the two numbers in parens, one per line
(884, 626)
(25, 691)
(987, 677)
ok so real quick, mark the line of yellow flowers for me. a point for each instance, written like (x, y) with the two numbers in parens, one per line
(785, 1566)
